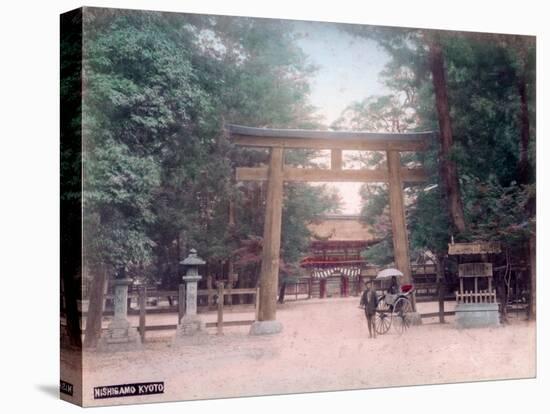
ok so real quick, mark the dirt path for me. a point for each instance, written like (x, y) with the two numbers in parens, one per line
(324, 346)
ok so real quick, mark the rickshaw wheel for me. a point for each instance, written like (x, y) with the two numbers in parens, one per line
(382, 318)
(401, 314)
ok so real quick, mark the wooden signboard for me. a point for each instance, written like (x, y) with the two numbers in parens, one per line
(474, 248)
(475, 270)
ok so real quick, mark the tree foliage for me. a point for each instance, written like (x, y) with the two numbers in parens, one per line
(158, 169)
(490, 87)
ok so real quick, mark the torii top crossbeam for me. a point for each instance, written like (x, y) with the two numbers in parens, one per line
(319, 139)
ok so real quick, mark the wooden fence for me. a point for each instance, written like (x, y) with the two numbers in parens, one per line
(434, 291)
(299, 290)
(145, 294)
(215, 296)
(427, 292)
(482, 296)
(331, 287)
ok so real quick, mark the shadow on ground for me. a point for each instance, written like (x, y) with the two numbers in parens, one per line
(49, 389)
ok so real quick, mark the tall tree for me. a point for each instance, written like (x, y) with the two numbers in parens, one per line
(157, 90)
(139, 96)
(448, 165)
(488, 125)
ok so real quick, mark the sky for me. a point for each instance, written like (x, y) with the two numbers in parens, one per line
(348, 71)
(349, 67)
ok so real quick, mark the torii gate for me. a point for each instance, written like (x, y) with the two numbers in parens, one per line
(276, 173)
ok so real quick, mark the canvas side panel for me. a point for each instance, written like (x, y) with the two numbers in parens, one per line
(71, 206)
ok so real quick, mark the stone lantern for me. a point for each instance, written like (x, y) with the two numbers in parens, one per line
(191, 324)
(120, 335)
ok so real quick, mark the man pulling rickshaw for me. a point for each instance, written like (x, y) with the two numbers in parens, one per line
(369, 302)
(393, 306)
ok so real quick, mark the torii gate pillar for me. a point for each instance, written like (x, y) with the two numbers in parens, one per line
(269, 275)
(397, 212)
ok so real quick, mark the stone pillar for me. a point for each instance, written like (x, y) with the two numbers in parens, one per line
(120, 336)
(191, 324)
(191, 294)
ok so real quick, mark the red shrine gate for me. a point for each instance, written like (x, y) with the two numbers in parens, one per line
(334, 263)
(336, 268)
(277, 140)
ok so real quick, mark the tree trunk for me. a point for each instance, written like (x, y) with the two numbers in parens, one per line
(95, 308)
(502, 292)
(521, 46)
(240, 284)
(282, 291)
(448, 167)
(440, 271)
(505, 298)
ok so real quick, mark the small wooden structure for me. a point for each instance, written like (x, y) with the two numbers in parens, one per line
(476, 298)
(480, 273)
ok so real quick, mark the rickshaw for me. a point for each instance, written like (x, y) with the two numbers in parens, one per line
(394, 306)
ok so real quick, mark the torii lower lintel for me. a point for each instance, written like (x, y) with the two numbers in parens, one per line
(408, 175)
(276, 173)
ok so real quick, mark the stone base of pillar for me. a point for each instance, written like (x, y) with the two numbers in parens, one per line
(476, 315)
(191, 329)
(266, 328)
(120, 336)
